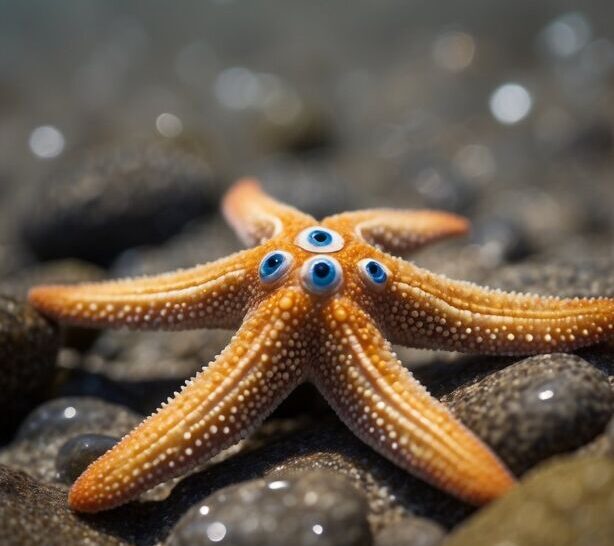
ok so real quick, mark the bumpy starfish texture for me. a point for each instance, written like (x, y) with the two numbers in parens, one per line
(317, 302)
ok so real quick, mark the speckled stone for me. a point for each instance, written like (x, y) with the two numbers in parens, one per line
(536, 408)
(35, 514)
(54, 272)
(28, 349)
(568, 502)
(564, 278)
(117, 198)
(315, 508)
(49, 426)
(79, 452)
(411, 532)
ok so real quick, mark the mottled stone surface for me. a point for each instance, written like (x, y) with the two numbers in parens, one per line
(536, 408)
(34, 514)
(314, 508)
(411, 532)
(120, 197)
(28, 348)
(567, 502)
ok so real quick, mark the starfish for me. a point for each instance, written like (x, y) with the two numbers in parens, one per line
(319, 302)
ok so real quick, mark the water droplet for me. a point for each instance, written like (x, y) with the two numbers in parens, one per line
(216, 531)
(169, 125)
(454, 50)
(510, 103)
(46, 142)
(567, 34)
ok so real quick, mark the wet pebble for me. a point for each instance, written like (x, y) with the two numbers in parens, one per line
(28, 349)
(315, 508)
(77, 453)
(118, 198)
(567, 502)
(51, 425)
(536, 408)
(411, 532)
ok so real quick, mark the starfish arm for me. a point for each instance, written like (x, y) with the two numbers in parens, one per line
(214, 295)
(388, 409)
(422, 309)
(215, 409)
(256, 217)
(399, 231)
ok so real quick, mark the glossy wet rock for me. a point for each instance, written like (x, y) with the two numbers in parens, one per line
(79, 452)
(411, 532)
(316, 508)
(129, 195)
(52, 424)
(28, 349)
(567, 502)
(536, 408)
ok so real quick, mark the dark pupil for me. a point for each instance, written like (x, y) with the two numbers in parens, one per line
(273, 261)
(320, 236)
(321, 270)
(373, 268)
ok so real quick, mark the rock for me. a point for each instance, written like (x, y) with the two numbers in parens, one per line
(567, 502)
(79, 452)
(56, 272)
(47, 428)
(28, 349)
(590, 278)
(315, 186)
(116, 199)
(536, 408)
(314, 508)
(33, 514)
(411, 532)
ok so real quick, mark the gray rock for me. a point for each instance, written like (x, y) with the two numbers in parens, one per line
(567, 502)
(34, 514)
(47, 428)
(411, 532)
(314, 508)
(117, 198)
(536, 408)
(28, 349)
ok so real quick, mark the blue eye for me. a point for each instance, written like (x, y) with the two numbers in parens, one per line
(274, 265)
(319, 239)
(373, 272)
(321, 274)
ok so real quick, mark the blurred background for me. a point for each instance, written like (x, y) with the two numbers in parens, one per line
(122, 124)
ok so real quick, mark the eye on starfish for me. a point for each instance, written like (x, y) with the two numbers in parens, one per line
(317, 302)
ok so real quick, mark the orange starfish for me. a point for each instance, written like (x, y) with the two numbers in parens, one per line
(316, 302)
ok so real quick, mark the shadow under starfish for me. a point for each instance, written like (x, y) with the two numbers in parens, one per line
(319, 302)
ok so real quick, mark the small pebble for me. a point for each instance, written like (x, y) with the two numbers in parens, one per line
(79, 452)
